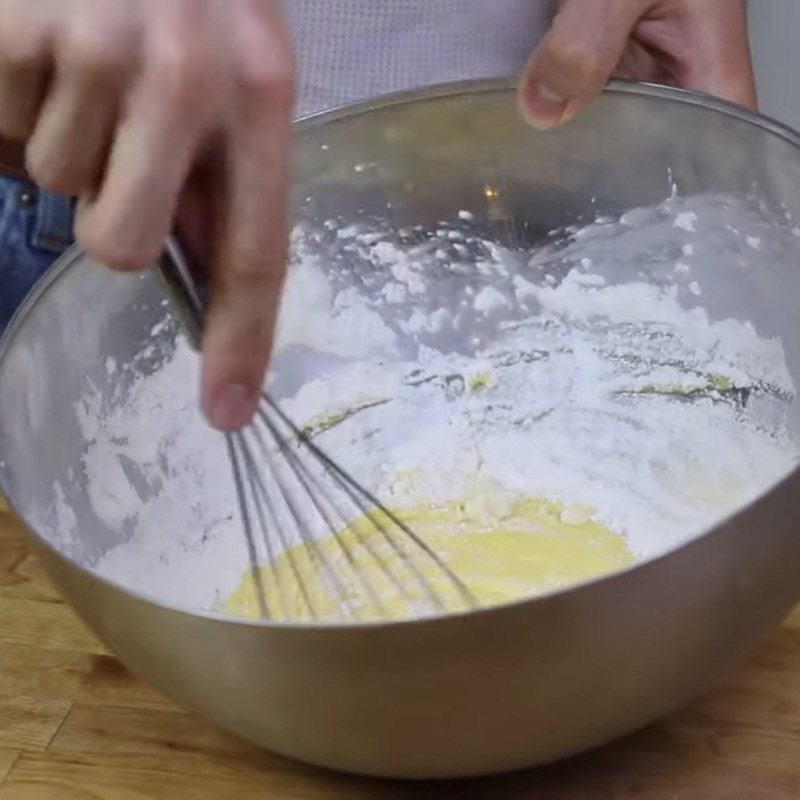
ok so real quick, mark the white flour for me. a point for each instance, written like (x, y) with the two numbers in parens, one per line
(446, 366)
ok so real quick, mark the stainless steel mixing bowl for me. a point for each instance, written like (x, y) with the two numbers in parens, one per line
(498, 689)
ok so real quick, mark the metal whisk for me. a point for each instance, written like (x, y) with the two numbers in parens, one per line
(319, 544)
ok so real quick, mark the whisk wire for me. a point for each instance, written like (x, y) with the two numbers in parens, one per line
(289, 497)
(315, 493)
(260, 489)
(272, 524)
(263, 494)
(374, 510)
(244, 510)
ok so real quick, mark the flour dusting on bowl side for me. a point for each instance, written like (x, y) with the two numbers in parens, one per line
(446, 364)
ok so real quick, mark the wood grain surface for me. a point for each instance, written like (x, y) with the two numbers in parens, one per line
(76, 725)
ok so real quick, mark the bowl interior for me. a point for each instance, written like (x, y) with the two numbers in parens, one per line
(605, 315)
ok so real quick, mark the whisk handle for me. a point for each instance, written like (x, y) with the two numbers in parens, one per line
(184, 286)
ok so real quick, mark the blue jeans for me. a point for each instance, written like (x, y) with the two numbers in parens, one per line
(35, 228)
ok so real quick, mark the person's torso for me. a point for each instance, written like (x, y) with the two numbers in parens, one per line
(349, 50)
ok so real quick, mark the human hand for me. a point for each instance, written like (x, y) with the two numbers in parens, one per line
(155, 110)
(695, 44)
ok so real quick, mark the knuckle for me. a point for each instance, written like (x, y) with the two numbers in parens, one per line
(120, 259)
(22, 35)
(104, 248)
(248, 270)
(56, 181)
(577, 63)
(20, 52)
(45, 170)
(267, 77)
(93, 55)
(181, 71)
(16, 127)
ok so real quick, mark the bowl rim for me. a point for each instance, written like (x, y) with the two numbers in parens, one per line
(312, 121)
(489, 85)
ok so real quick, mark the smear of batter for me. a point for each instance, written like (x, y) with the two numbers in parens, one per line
(536, 547)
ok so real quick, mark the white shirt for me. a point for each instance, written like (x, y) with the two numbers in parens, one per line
(349, 50)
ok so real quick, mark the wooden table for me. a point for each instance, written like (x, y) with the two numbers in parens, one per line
(76, 725)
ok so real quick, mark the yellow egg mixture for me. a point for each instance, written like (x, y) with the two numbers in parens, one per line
(536, 547)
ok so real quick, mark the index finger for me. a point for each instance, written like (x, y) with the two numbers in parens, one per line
(717, 57)
(250, 262)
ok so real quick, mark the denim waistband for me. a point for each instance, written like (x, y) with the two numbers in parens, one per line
(35, 228)
(52, 231)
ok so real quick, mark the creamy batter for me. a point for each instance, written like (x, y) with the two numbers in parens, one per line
(492, 394)
(536, 547)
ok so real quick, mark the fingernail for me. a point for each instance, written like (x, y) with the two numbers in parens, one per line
(543, 107)
(232, 407)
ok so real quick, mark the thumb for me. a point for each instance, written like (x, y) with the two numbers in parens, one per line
(575, 59)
